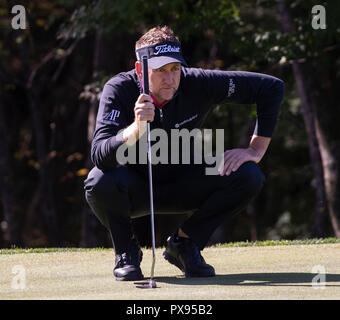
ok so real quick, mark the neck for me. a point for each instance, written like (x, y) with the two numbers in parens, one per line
(158, 104)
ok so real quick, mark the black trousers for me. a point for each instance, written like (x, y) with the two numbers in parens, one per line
(121, 194)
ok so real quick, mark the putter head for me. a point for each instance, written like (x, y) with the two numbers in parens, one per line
(151, 284)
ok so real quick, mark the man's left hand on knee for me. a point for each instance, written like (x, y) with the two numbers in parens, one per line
(234, 158)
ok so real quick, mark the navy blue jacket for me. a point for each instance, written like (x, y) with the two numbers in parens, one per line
(198, 92)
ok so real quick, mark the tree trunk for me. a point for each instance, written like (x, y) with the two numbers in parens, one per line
(324, 92)
(45, 175)
(309, 116)
(10, 207)
(93, 233)
(331, 176)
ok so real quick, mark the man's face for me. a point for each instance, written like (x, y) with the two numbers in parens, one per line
(164, 81)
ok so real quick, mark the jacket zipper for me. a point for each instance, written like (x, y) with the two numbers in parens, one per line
(161, 115)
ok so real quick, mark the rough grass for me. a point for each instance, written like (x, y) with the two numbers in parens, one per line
(304, 269)
(265, 243)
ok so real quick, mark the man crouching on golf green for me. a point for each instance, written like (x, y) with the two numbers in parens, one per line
(180, 97)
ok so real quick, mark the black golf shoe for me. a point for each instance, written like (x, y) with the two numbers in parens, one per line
(185, 255)
(128, 263)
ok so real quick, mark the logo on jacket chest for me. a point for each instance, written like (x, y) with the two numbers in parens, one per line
(179, 124)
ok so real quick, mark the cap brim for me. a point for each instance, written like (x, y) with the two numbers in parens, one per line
(157, 62)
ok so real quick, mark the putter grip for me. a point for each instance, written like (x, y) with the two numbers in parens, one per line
(145, 75)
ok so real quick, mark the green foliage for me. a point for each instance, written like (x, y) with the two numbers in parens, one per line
(187, 17)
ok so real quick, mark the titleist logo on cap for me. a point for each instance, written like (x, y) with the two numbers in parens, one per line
(161, 54)
(166, 48)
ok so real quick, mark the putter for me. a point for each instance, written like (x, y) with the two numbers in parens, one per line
(151, 283)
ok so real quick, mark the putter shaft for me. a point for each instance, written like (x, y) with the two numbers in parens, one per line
(151, 202)
(146, 90)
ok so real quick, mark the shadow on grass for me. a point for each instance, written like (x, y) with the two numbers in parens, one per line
(256, 279)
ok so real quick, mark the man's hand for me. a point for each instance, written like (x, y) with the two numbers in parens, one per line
(144, 111)
(234, 158)
(144, 108)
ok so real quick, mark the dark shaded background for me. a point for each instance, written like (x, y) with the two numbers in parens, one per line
(52, 73)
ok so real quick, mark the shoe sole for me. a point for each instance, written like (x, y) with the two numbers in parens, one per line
(133, 276)
(176, 263)
(130, 277)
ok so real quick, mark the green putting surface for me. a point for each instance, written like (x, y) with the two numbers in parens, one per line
(254, 272)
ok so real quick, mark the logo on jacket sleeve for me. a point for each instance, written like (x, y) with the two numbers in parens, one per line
(231, 89)
(111, 117)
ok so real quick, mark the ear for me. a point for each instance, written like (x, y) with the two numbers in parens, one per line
(138, 66)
